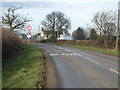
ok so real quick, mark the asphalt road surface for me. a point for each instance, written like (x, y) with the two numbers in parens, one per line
(77, 68)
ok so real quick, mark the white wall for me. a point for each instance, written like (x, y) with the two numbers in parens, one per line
(42, 33)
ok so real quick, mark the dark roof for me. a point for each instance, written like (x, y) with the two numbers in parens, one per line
(50, 32)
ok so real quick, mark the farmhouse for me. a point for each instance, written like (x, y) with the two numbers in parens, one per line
(46, 34)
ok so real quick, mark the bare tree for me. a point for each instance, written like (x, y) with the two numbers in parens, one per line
(57, 21)
(13, 20)
(103, 21)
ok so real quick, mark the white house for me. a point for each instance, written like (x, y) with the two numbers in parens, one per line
(46, 34)
(62, 36)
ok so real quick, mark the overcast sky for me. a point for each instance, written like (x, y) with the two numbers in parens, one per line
(79, 11)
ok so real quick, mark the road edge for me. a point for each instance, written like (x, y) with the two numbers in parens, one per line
(53, 79)
(50, 72)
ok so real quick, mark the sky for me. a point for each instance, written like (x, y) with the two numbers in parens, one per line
(79, 11)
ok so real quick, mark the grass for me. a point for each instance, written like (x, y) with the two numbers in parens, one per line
(105, 51)
(0, 79)
(25, 72)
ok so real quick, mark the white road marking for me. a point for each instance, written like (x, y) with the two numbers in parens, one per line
(115, 71)
(93, 60)
(74, 54)
(97, 62)
(77, 54)
(63, 54)
(51, 54)
(56, 54)
(67, 50)
(59, 47)
(67, 54)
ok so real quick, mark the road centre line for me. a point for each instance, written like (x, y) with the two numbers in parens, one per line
(86, 58)
(106, 68)
(62, 49)
(115, 71)
(93, 60)
(75, 54)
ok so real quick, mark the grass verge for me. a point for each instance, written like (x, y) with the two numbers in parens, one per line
(27, 71)
(105, 51)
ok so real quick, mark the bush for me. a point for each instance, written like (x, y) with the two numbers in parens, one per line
(11, 46)
(43, 41)
(51, 40)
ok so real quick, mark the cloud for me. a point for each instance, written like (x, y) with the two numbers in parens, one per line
(80, 13)
(29, 5)
(81, 1)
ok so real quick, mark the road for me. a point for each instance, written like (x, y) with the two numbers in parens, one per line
(77, 68)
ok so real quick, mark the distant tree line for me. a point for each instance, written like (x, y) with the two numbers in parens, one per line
(103, 28)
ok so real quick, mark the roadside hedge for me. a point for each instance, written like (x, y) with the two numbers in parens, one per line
(89, 43)
(11, 46)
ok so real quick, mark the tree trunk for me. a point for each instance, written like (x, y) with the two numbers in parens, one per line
(11, 28)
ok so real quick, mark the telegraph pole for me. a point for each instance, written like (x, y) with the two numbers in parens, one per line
(57, 33)
(38, 28)
(118, 25)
